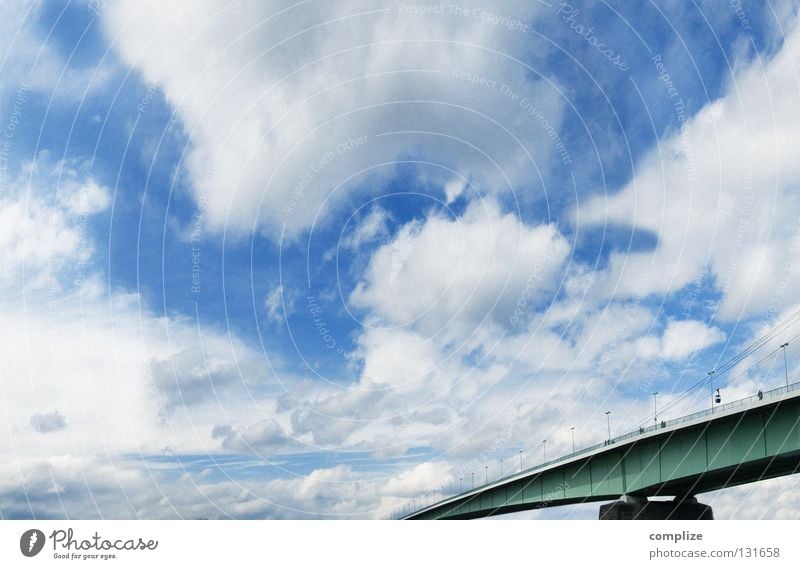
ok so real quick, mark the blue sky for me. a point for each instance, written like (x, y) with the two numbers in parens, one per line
(312, 260)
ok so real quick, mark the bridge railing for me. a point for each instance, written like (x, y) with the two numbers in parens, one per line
(762, 395)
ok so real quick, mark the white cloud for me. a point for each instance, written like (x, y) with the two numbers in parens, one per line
(720, 195)
(265, 437)
(274, 304)
(419, 479)
(282, 105)
(456, 273)
(685, 337)
(367, 230)
(43, 231)
(436, 299)
(453, 189)
(86, 487)
(122, 378)
(774, 499)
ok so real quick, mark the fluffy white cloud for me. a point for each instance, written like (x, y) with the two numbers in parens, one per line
(369, 229)
(459, 272)
(419, 479)
(70, 486)
(685, 337)
(87, 369)
(264, 438)
(435, 300)
(284, 104)
(43, 224)
(721, 195)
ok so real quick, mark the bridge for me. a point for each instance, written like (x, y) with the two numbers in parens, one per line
(743, 441)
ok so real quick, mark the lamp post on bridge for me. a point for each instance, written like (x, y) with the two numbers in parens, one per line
(544, 449)
(711, 380)
(473, 480)
(785, 363)
(501, 468)
(655, 408)
(520, 461)
(572, 430)
(487, 474)
(608, 420)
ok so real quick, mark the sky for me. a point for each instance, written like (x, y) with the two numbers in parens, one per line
(286, 260)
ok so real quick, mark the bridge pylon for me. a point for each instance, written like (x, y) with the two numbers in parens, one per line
(640, 508)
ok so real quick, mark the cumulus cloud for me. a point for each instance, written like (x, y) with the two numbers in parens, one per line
(192, 376)
(435, 298)
(447, 271)
(285, 104)
(721, 196)
(419, 479)
(369, 229)
(100, 357)
(87, 487)
(264, 437)
(43, 215)
(685, 337)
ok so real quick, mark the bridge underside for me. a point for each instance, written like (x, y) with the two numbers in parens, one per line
(756, 444)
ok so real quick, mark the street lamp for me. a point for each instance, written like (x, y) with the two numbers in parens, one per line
(501, 468)
(544, 449)
(608, 419)
(711, 380)
(487, 474)
(785, 362)
(520, 461)
(655, 408)
(460, 485)
(572, 429)
(473, 480)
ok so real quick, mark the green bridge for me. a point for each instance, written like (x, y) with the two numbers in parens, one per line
(740, 442)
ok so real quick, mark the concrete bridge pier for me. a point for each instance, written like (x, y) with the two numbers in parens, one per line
(640, 508)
